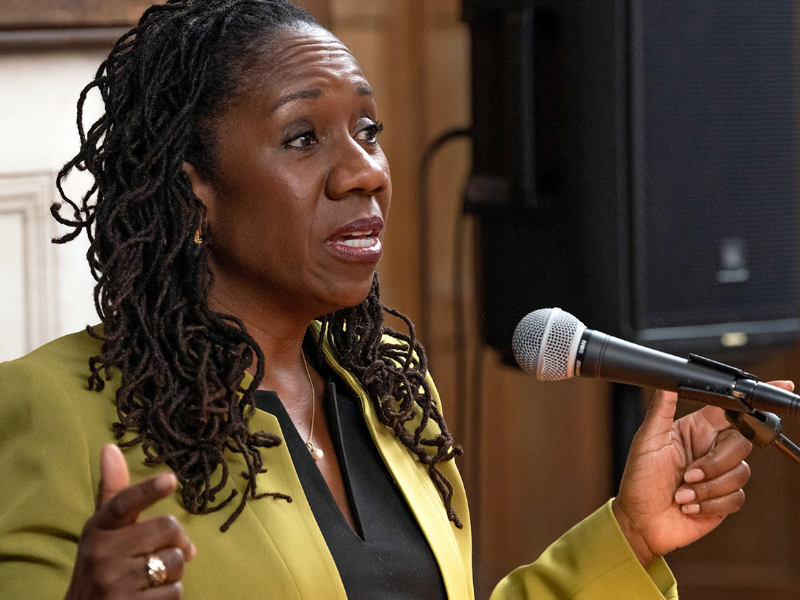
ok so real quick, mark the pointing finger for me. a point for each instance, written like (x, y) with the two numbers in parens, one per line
(124, 508)
(113, 474)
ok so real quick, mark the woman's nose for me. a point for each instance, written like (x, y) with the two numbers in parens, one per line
(357, 169)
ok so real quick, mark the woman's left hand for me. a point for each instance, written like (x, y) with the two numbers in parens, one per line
(682, 478)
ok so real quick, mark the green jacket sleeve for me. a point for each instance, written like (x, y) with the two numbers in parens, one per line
(592, 561)
(46, 489)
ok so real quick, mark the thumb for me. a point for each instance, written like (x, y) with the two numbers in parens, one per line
(113, 474)
(660, 413)
(785, 384)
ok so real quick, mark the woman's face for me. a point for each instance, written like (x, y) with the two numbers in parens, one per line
(298, 199)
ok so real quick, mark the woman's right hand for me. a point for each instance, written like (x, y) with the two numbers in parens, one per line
(116, 550)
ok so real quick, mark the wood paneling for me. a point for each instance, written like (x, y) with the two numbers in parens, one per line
(38, 24)
(34, 14)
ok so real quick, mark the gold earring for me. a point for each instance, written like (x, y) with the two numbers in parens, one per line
(198, 236)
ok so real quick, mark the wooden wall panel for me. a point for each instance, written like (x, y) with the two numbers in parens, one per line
(41, 25)
(34, 14)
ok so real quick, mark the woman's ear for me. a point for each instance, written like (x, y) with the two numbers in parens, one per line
(202, 188)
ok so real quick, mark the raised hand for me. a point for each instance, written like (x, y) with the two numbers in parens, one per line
(682, 478)
(120, 556)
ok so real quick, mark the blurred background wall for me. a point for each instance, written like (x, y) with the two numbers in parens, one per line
(538, 457)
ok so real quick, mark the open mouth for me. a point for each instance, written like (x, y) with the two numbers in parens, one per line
(359, 239)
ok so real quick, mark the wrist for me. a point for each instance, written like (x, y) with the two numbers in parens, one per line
(636, 540)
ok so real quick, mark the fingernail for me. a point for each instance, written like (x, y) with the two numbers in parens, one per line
(694, 475)
(690, 509)
(684, 495)
(192, 550)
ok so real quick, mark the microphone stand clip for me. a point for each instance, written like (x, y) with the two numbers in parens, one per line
(760, 427)
(763, 428)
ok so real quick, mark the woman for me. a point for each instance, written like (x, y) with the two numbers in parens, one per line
(237, 217)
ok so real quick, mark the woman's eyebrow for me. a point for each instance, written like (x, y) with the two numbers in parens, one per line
(301, 94)
(361, 90)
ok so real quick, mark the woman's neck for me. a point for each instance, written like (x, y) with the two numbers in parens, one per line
(280, 338)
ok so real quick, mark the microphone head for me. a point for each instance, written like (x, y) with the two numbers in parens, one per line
(545, 343)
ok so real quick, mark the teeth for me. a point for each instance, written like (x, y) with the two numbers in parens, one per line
(362, 242)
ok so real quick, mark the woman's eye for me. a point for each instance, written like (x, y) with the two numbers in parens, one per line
(302, 141)
(370, 133)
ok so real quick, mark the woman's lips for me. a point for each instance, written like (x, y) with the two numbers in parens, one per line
(358, 241)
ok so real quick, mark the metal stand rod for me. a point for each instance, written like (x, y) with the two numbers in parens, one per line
(788, 447)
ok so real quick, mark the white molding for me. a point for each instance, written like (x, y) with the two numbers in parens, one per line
(26, 198)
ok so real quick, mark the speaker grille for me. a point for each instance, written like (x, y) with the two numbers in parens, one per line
(714, 167)
(669, 213)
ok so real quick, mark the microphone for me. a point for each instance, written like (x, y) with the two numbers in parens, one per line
(555, 345)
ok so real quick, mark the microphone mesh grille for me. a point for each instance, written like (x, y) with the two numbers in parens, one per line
(543, 343)
(556, 364)
(527, 341)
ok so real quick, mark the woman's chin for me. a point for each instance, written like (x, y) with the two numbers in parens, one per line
(349, 296)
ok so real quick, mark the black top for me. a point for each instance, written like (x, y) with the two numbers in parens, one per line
(388, 557)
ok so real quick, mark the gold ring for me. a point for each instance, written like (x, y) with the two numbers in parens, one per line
(156, 570)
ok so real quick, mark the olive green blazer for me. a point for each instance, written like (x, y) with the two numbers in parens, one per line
(51, 431)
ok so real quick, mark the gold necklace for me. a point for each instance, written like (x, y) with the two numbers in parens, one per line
(316, 453)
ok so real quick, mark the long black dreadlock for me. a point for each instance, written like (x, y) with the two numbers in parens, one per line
(182, 364)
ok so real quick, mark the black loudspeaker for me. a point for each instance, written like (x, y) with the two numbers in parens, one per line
(636, 164)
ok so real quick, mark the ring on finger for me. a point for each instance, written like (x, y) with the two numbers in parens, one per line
(156, 570)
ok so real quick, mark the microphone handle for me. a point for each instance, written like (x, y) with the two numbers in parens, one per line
(603, 356)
